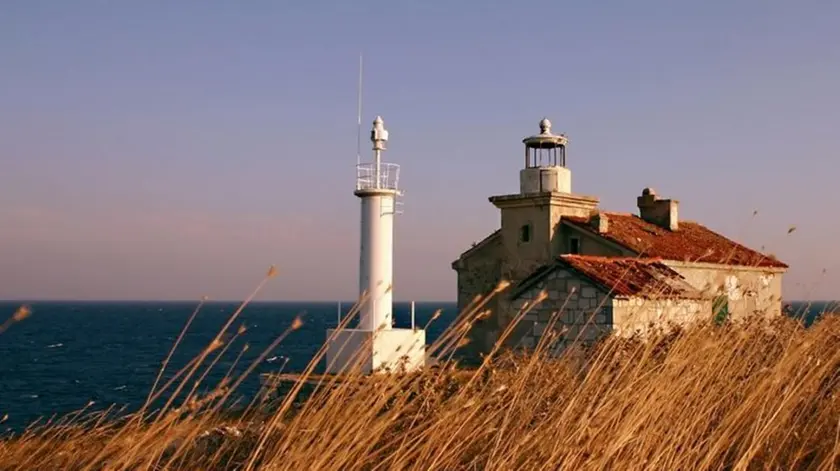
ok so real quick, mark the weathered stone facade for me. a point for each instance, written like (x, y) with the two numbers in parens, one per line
(541, 213)
(586, 311)
(581, 311)
(479, 269)
(748, 290)
(479, 272)
(637, 315)
(504, 255)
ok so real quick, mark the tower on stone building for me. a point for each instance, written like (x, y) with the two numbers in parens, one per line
(530, 234)
(531, 217)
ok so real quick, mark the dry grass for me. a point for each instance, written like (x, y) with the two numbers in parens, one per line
(763, 395)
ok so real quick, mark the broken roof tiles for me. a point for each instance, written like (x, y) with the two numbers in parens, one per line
(692, 242)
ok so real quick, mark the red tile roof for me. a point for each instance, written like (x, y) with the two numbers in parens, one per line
(620, 276)
(692, 242)
(627, 276)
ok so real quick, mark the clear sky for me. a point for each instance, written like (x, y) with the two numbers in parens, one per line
(167, 150)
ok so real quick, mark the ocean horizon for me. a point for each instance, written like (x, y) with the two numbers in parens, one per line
(69, 354)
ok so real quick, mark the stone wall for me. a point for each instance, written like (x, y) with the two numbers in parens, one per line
(542, 213)
(585, 311)
(748, 290)
(506, 256)
(635, 315)
(479, 272)
(521, 258)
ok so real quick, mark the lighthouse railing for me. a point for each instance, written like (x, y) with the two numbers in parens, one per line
(389, 176)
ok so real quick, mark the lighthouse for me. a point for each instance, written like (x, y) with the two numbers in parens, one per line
(377, 185)
(376, 344)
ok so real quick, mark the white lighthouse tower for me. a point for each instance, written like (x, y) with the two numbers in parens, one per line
(377, 184)
(376, 345)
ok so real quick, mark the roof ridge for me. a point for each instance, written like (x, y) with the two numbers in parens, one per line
(619, 213)
(607, 258)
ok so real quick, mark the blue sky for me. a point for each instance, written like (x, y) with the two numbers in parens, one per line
(166, 150)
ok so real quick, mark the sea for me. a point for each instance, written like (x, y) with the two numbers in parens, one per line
(71, 355)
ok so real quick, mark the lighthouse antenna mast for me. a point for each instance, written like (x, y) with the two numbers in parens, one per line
(359, 117)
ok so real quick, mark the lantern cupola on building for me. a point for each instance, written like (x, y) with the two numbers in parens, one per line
(545, 163)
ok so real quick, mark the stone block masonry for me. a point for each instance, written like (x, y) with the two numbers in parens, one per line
(586, 312)
(582, 311)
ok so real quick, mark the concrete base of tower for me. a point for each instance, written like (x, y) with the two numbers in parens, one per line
(365, 351)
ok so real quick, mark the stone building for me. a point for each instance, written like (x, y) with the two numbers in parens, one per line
(610, 271)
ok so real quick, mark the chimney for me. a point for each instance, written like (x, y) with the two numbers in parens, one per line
(663, 213)
(600, 221)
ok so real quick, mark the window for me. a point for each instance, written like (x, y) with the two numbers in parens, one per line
(720, 309)
(574, 245)
(525, 233)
